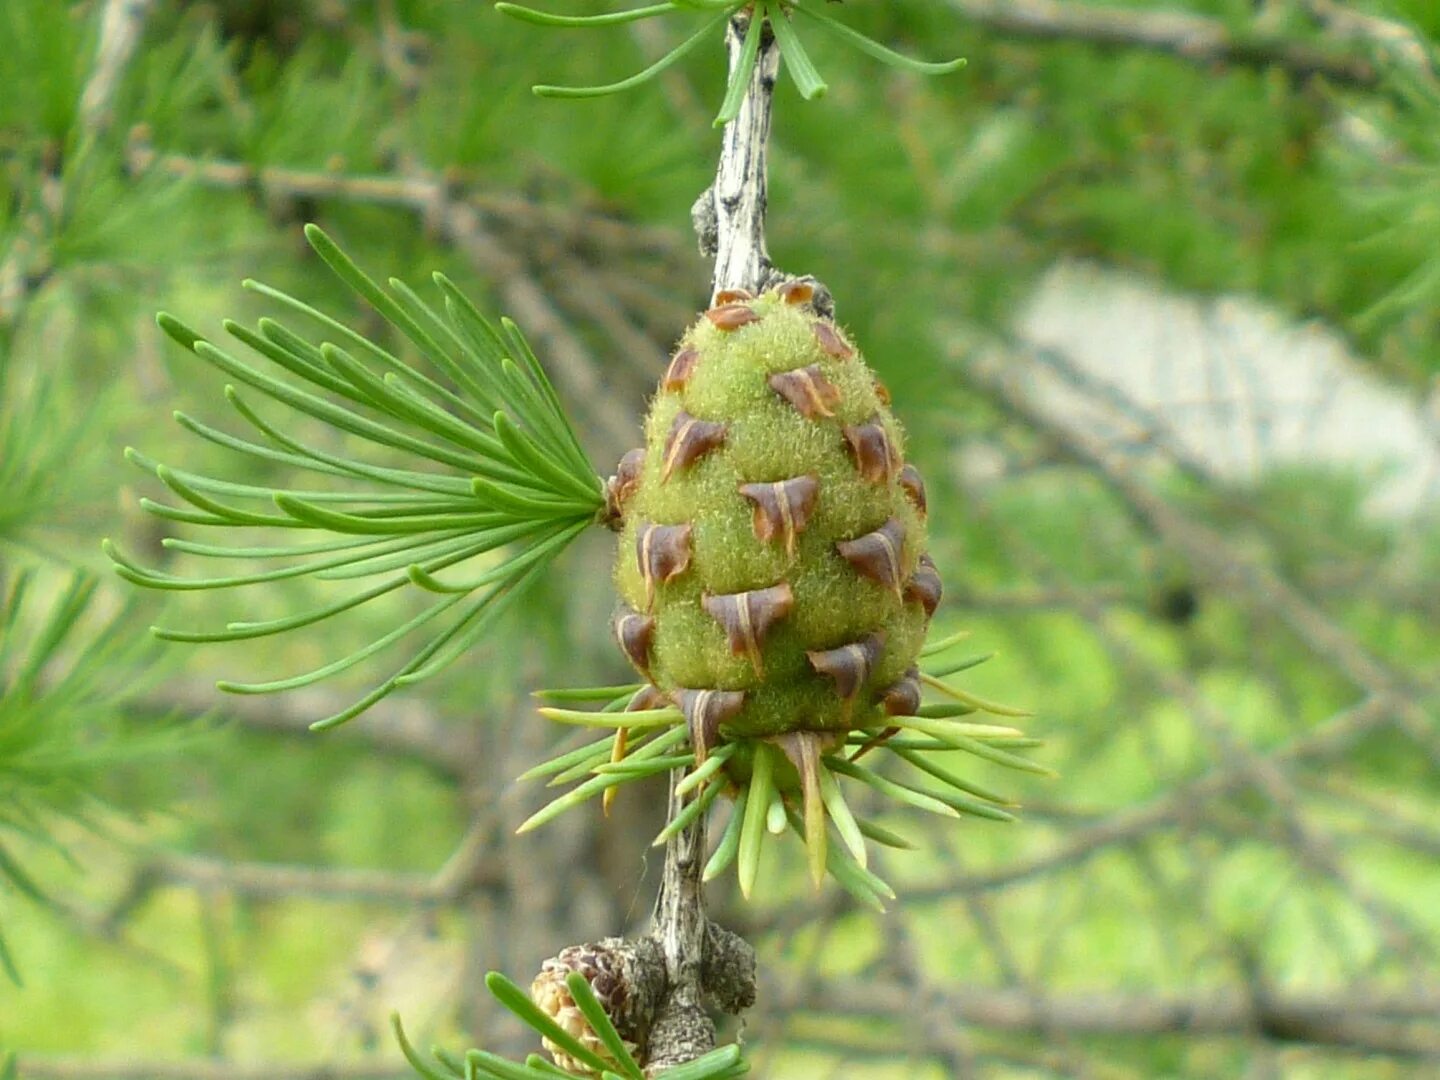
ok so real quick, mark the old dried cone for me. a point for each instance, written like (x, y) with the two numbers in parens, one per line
(610, 968)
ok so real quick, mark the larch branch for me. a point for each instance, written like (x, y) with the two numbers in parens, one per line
(730, 218)
(740, 194)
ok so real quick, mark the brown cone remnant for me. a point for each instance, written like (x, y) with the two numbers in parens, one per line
(636, 635)
(615, 973)
(924, 585)
(705, 711)
(783, 508)
(747, 617)
(798, 291)
(872, 451)
(914, 487)
(831, 341)
(726, 297)
(903, 697)
(689, 439)
(808, 390)
(849, 665)
(622, 485)
(663, 552)
(680, 369)
(732, 316)
(878, 555)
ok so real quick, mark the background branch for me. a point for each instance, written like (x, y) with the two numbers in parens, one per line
(1189, 37)
(1358, 1020)
(40, 1068)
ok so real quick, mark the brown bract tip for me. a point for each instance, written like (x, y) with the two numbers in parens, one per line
(783, 508)
(662, 552)
(903, 697)
(808, 390)
(849, 665)
(925, 586)
(875, 456)
(831, 340)
(682, 366)
(914, 487)
(728, 297)
(636, 635)
(705, 711)
(622, 485)
(878, 555)
(732, 316)
(798, 291)
(747, 617)
(690, 438)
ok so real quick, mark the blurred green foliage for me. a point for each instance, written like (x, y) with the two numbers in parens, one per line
(922, 204)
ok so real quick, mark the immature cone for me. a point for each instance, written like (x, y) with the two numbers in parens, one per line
(612, 970)
(771, 539)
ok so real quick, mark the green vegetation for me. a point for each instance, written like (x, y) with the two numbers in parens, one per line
(1236, 684)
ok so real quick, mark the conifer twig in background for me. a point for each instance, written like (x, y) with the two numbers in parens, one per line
(121, 26)
(61, 716)
(1390, 37)
(503, 469)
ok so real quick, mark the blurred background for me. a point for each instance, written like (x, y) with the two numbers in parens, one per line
(1156, 288)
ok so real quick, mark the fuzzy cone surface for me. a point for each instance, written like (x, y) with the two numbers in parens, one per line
(822, 634)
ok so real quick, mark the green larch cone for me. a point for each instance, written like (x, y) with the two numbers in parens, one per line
(772, 560)
(775, 595)
(767, 533)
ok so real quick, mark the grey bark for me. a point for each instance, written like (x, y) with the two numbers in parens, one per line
(703, 961)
